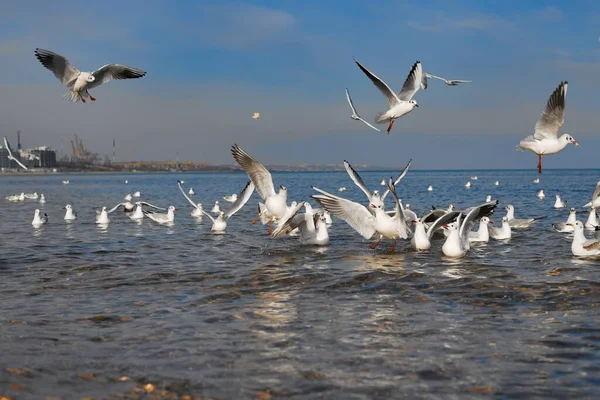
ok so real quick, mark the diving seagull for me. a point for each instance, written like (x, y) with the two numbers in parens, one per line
(10, 155)
(545, 140)
(220, 223)
(355, 115)
(79, 82)
(399, 104)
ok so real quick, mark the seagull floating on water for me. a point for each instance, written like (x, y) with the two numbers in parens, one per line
(592, 221)
(231, 198)
(545, 140)
(473, 178)
(137, 194)
(457, 242)
(42, 199)
(496, 183)
(536, 180)
(430, 188)
(312, 226)
(519, 222)
(216, 209)
(399, 104)
(80, 82)
(488, 198)
(70, 215)
(568, 225)
(582, 246)
(39, 220)
(31, 196)
(502, 233)
(482, 235)
(191, 192)
(468, 185)
(342, 189)
(167, 218)
(65, 182)
(541, 194)
(559, 203)
(355, 115)
(102, 216)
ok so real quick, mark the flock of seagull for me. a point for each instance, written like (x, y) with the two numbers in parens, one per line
(370, 220)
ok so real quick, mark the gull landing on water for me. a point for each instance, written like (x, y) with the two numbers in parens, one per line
(10, 155)
(356, 117)
(79, 82)
(545, 140)
(399, 104)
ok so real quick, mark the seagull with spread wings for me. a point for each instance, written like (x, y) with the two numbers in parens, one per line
(79, 82)
(399, 104)
(449, 82)
(10, 154)
(545, 140)
(355, 115)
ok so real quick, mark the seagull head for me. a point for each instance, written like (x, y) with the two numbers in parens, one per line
(570, 139)
(504, 219)
(90, 78)
(414, 103)
(486, 220)
(172, 208)
(283, 188)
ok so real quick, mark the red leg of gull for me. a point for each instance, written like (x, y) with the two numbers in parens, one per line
(394, 246)
(540, 163)
(390, 127)
(91, 98)
(81, 97)
(376, 244)
(257, 218)
(270, 226)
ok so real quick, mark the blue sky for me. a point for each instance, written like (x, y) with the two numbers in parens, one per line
(212, 64)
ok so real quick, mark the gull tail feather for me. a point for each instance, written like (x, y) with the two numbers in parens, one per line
(72, 96)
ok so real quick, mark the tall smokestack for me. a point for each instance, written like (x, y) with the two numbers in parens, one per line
(18, 140)
(114, 150)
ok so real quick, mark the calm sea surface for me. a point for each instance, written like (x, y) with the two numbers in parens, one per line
(140, 310)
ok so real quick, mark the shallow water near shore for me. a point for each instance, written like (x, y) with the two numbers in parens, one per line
(140, 309)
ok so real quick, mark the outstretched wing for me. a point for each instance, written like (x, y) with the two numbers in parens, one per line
(444, 219)
(242, 199)
(111, 72)
(381, 85)
(401, 222)
(476, 213)
(412, 83)
(258, 174)
(351, 104)
(357, 179)
(553, 117)
(145, 203)
(59, 65)
(186, 196)
(356, 215)
(398, 179)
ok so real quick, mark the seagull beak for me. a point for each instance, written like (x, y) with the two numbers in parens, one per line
(372, 206)
(490, 222)
(416, 105)
(575, 142)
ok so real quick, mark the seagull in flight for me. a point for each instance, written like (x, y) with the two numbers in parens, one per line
(399, 104)
(79, 82)
(545, 140)
(10, 155)
(449, 82)
(355, 115)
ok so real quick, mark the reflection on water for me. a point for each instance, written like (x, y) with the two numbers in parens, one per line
(242, 315)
